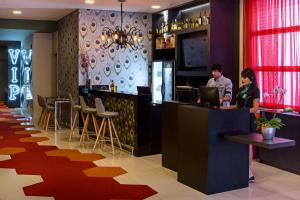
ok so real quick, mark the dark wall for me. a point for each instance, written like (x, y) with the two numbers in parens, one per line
(4, 72)
(225, 38)
(40, 26)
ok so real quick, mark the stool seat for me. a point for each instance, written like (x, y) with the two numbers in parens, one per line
(77, 107)
(89, 110)
(50, 108)
(107, 114)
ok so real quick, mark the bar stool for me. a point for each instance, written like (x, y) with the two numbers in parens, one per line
(49, 110)
(43, 113)
(87, 111)
(76, 109)
(106, 119)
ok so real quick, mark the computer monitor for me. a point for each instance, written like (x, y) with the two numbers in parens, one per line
(184, 93)
(143, 90)
(209, 96)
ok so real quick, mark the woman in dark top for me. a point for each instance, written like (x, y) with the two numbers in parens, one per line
(248, 97)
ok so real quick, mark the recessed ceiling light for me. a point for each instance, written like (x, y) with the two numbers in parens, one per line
(155, 7)
(89, 1)
(17, 12)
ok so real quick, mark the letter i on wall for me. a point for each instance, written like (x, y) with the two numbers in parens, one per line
(14, 56)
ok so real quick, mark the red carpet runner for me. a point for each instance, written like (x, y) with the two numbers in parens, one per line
(66, 174)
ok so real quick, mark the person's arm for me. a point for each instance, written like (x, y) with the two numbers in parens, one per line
(228, 91)
(255, 106)
(229, 107)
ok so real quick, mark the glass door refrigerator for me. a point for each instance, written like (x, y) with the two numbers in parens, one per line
(163, 81)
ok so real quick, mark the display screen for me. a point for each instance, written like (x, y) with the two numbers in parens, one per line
(195, 51)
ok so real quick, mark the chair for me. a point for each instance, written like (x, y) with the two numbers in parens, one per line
(76, 109)
(107, 119)
(49, 110)
(43, 113)
(87, 111)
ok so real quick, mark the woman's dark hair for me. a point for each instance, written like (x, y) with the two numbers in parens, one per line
(216, 67)
(249, 73)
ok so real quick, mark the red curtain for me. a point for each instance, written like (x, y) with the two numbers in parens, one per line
(272, 48)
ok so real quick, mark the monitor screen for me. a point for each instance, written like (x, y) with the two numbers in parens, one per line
(184, 93)
(195, 51)
(209, 96)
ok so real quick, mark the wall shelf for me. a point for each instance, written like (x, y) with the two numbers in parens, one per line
(164, 49)
(221, 34)
(191, 30)
(192, 73)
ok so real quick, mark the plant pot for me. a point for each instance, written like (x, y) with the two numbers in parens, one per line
(268, 133)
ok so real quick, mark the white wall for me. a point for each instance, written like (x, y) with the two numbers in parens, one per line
(43, 69)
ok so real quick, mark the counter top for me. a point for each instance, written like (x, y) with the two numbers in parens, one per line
(281, 112)
(108, 92)
(257, 140)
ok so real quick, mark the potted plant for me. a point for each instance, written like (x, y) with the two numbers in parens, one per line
(268, 127)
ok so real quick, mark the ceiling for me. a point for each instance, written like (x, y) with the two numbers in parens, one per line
(56, 9)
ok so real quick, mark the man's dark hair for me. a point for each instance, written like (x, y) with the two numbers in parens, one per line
(216, 67)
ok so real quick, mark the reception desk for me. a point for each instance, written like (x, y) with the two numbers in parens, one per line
(137, 123)
(193, 145)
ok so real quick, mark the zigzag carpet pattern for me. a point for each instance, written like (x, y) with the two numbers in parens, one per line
(66, 174)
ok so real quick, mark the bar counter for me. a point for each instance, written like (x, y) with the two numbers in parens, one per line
(137, 121)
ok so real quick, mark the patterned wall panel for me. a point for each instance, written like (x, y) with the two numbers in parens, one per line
(68, 48)
(125, 67)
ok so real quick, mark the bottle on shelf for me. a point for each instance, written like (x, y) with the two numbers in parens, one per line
(168, 43)
(208, 17)
(157, 30)
(186, 23)
(166, 27)
(112, 86)
(204, 19)
(197, 23)
(164, 43)
(175, 26)
(158, 44)
(179, 25)
(192, 23)
(172, 41)
(200, 19)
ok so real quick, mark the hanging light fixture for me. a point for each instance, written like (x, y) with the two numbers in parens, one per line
(121, 38)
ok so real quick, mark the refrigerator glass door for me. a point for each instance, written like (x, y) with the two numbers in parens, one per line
(157, 82)
(167, 81)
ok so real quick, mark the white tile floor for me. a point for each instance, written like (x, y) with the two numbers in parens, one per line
(270, 184)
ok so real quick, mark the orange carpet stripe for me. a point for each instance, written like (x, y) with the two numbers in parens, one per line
(75, 155)
(34, 139)
(11, 150)
(86, 157)
(104, 172)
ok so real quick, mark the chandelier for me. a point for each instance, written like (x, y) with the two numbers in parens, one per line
(121, 38)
